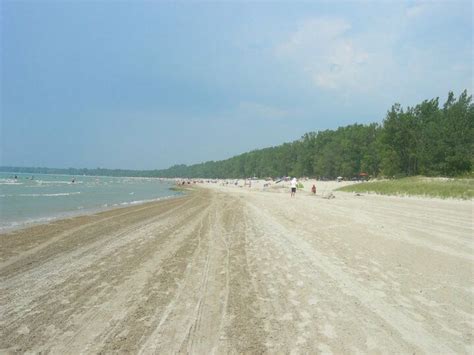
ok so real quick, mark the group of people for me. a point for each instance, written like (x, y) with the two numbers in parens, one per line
(294, 185)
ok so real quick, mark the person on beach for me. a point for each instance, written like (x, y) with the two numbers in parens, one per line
(293, 187)
(313, 189)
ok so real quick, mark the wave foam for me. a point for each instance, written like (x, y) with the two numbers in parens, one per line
(9, 182)
(50, 195)
(49, 182)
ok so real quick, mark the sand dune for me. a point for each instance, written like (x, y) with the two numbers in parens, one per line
(228, 269)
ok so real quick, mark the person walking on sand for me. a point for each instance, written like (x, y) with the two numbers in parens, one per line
(293, 187)
(313, 189)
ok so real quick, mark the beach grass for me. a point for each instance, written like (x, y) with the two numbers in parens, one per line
(418, 186)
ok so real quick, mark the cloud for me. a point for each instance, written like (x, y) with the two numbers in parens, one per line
(324, 50)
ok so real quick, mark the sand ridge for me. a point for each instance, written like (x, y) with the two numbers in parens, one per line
(228, 269)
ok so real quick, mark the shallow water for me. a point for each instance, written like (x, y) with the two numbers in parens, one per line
(40, 198)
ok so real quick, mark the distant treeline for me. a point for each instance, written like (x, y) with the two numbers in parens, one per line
(422, 140)
(75, 171)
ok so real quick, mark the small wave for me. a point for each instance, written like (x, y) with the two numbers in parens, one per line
(138, 202)
(10, 226)
(58, 182)
(51, 195)
(10, 182)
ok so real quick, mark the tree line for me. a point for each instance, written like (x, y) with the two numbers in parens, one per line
(422, 140)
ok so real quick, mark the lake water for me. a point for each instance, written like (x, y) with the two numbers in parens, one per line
(41, 198)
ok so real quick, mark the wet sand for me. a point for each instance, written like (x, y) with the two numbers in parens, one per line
(227, 269)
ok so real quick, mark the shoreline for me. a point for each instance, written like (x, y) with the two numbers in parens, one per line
(20, 225)
(12, 224)
(49, 229)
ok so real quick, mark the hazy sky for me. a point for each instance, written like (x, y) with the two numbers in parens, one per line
(144, 85)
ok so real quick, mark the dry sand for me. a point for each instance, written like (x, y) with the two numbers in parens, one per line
(228, 269)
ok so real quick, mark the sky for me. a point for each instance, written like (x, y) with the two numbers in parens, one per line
(149, 84)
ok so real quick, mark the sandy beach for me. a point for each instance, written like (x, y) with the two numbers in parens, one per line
(228, 269)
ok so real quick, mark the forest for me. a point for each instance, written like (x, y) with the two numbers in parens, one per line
(422, 140)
